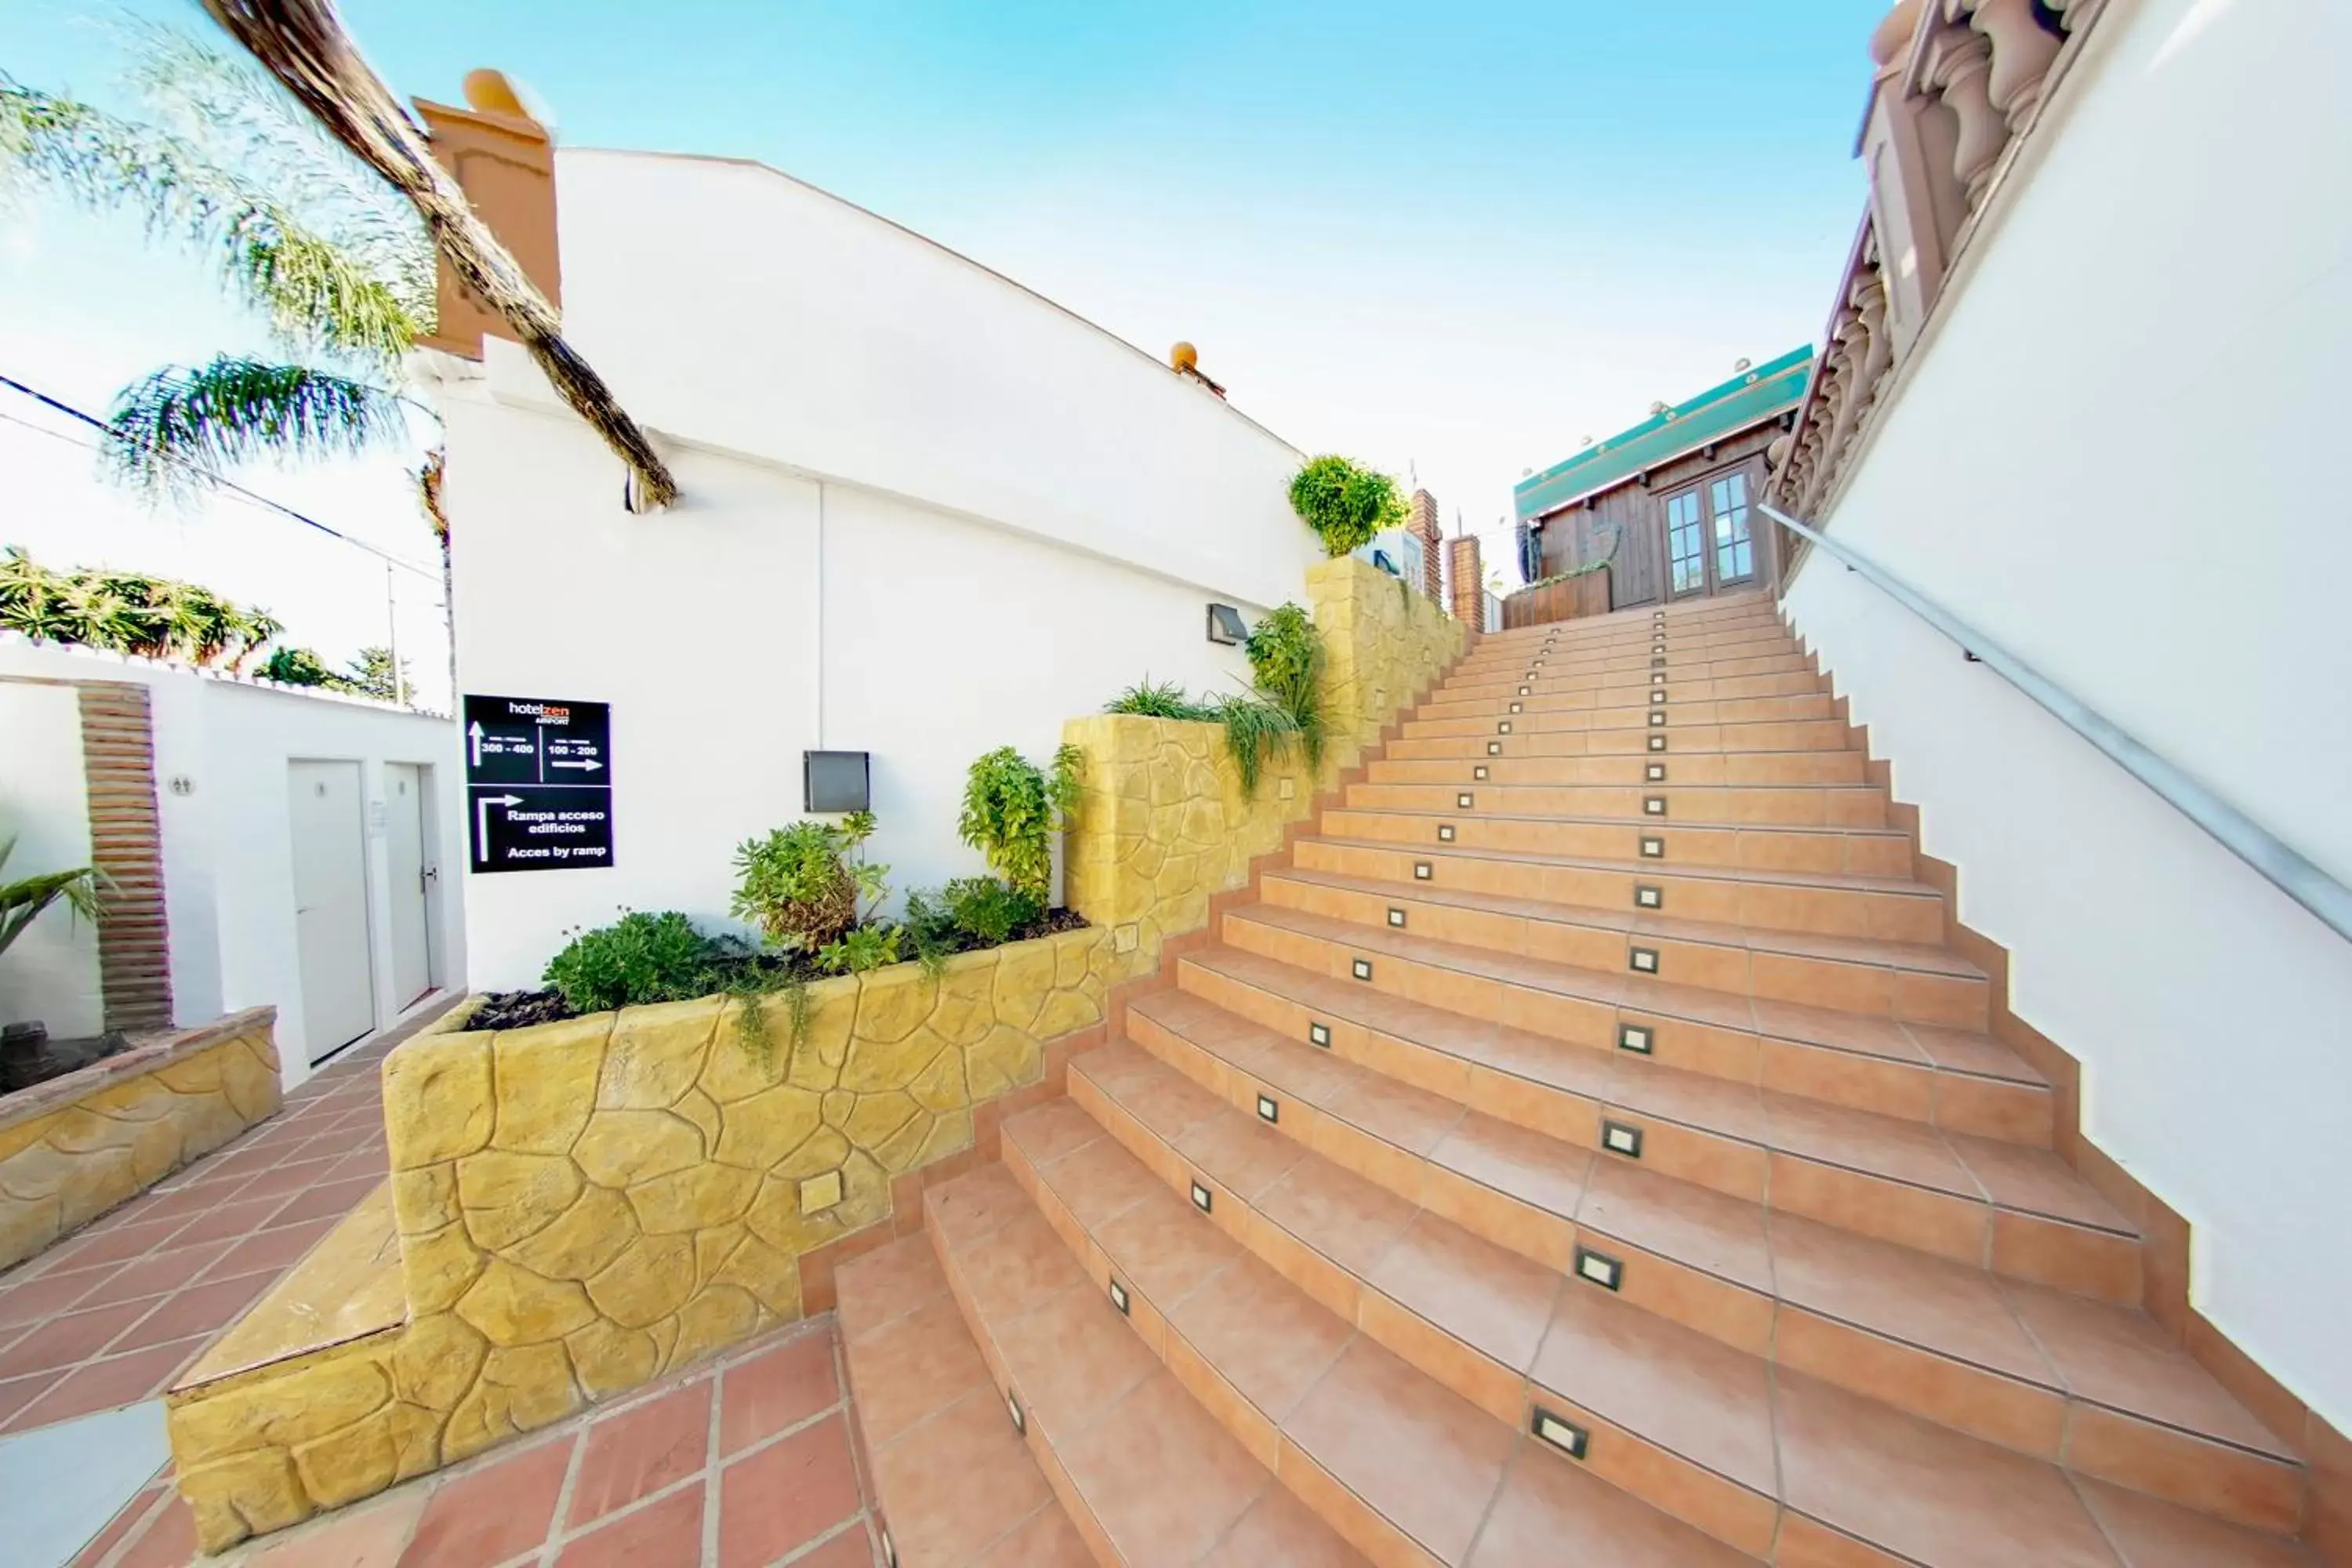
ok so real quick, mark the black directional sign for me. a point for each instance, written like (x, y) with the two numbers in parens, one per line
(539, 783)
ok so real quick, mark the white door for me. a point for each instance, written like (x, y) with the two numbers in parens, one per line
(331, 924)
(407, 837)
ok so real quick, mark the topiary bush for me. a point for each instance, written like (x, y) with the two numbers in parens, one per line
(1013, 809)
(802, 885)
(1345, 503)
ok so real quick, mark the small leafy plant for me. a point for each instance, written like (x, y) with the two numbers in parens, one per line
(1160, 699)
(1345, 503)
(23, 901)
(804, 885)
(992, 911)
(638, 958)
(1286, 655)
(1013, 809)
(860, 950)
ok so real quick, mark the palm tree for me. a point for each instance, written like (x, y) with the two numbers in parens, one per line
(331, 257)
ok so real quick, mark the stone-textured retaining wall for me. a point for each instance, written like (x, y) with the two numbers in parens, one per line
(76, 1146)
(1162, 824)
(586, 1204)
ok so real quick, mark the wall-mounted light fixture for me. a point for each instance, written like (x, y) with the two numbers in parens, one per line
(1226, 624)
(836, 781)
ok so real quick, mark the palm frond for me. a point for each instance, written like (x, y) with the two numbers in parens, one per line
(181, 423)
(316, 295)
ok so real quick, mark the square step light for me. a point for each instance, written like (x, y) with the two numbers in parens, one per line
(1560, 1433)
(1493, 748)
(1657, 678)
(1657, 661)
(1657, 742)
(1653, 849)
(1524, 691)
(1268, 1108)
(1622, 1138)
(1421, 871)
(1462, 800)
(1203, 1200)
(1653, 805)
(1599, 1268)
(1657, 717)
(1655, 773)
(1503, 727)
(1119, 1297)
(1539, 664)
(1643, 960)
(1319, 1034)
(1658, 697)
(1396, 918)
(1515, 707)
(1646, 897)
(1636, 1038)
(1445, 833)
(1012, 1408)
(1361, 968)
(1479, 774)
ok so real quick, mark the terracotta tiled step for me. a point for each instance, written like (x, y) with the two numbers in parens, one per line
(2021, 1210)
(1682, 1419)
(1909, 981)
(1622, 631)
(953, 1480)
(1844, 851)
(1783, 806)
(1745, 640)
(1144, 1473)
(1407, 1469)
(1618, 672)
(1630, 689)
(1672, 717)
(1840, 767)
(1803, 735)
(1891, 908)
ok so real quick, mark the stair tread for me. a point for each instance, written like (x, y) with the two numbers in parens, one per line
(2099, 1353)
(1161, 1480)
(1848, 881)
(1578, 820)
(1860, 1033)
(1873, 950)
(1422, 1457)
(955, 1484)
(1715, 1405)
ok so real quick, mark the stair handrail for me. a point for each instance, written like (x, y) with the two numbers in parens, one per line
(2286, 868)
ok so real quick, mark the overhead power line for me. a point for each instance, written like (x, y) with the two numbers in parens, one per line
(210, 477)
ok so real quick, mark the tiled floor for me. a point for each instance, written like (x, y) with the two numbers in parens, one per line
(740, 1463)
(113, 1314)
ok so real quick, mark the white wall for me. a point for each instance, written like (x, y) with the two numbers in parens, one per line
(2120, 455)
(227, 846)
(51, 973)
(924, 513)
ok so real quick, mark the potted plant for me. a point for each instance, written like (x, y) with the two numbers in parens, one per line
(21, 903)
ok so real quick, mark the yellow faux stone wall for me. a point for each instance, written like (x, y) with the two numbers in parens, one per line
(1382, 647)
(1162, 824)
(74, 1147)
(583, 1205)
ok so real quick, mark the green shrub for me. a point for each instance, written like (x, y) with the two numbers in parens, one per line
(1286, 655)
(801, 886)
(1161, 699)
(866, 947)
(1346, 504)
(638, 958)
(1013, 809)
(1255, 729)
(992, 911)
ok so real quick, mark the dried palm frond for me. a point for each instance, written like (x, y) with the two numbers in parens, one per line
(303, 45)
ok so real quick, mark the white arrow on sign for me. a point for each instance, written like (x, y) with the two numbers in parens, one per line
(482, 817)
(591, 765)
(474, 734)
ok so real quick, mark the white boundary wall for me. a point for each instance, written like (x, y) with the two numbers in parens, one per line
(926, 513)
(228, 872)
(2120, 455)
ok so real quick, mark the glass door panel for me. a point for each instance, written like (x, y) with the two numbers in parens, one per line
(1686, 545)
(1734, 547)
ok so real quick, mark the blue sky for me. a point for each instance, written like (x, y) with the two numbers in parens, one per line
(1454, 239)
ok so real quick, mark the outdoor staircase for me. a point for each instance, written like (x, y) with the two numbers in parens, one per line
(1583, 1150)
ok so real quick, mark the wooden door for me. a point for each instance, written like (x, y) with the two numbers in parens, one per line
(1686, 552)
(1730, 532)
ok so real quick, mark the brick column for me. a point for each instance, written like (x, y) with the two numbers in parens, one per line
(1469, 582)
(1424, 528)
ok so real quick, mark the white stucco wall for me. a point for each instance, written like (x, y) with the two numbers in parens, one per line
(2120, 455)
(924, 513)
(51, 972)
(227, 845)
